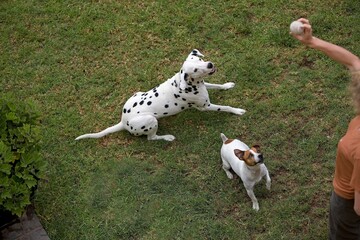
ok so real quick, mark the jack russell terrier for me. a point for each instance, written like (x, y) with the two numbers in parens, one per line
(247, 163)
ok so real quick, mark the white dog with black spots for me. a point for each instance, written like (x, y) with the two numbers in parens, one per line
(184, 90)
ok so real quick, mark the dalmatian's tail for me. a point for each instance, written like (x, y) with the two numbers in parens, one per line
(115, 128)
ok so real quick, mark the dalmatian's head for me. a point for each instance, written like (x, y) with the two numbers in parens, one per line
(195, 68)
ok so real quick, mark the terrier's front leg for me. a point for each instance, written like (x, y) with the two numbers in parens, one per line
(255, 204)
(268, 181)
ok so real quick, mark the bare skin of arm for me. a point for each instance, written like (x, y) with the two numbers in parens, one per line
(335, 52)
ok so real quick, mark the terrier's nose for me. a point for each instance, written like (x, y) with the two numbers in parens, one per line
(210, 65)
(261, 158)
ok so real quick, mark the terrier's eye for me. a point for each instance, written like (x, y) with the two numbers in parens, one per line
(195, 70)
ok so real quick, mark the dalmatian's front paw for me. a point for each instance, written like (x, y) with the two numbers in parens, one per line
(239, 111)
(168, 138)
(228, 85)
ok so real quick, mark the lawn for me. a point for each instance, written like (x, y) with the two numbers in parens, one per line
(79, 61)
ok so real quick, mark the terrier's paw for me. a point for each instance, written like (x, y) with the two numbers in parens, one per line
(229, 175)
(256, 206)
(268, 186)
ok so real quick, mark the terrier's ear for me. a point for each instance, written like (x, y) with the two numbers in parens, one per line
(257, 148)
(239, 154)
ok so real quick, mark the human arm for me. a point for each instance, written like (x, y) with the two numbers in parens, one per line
(357, 202)
(337, 53)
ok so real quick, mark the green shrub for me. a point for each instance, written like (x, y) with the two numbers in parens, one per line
(21, 165)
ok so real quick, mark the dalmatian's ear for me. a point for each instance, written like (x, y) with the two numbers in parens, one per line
(196, 53)
(183, 79)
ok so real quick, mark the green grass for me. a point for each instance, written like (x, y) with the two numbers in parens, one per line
(80, 61)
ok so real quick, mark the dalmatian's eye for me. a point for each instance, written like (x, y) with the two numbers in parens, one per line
(195, 70)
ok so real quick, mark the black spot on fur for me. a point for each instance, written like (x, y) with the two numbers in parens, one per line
(166, 106)
(135, 104)
(186, 76)
(156, 94)
(141, 103)
(195, 70)
(124, 110)
(184, 99)
(128, 111)
(149, 103)
(143, 127)
(165, 113)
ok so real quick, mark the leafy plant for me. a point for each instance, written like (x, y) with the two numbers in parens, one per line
(21, 164)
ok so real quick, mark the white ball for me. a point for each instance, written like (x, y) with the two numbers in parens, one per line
(296, 27)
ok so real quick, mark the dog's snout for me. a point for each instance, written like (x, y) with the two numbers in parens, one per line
(261, 158)
(210, 65)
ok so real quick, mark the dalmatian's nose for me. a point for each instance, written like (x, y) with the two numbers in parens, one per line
(210, 65)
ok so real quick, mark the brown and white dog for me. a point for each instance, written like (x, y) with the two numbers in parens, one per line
(247, 163)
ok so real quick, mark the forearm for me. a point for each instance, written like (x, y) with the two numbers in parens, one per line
(337, 53)
(357, 202)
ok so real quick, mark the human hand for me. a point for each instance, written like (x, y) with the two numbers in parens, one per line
(307, 37)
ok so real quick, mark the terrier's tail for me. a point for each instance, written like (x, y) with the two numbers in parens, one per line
(223, 137)
(115, 128)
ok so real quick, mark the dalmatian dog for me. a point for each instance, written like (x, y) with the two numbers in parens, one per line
(184, 90)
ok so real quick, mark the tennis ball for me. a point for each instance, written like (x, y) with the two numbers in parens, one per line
(296, 27)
